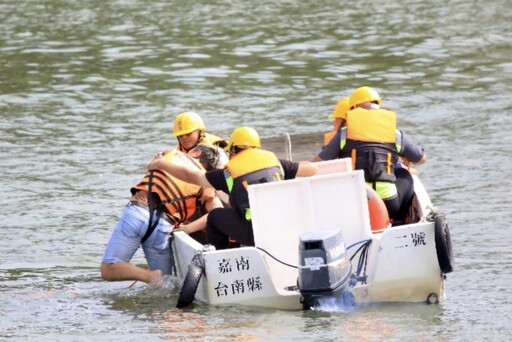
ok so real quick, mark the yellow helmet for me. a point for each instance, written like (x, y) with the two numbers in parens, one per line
(244, 136)
(364, 94)
(342, 107)
(187, 122)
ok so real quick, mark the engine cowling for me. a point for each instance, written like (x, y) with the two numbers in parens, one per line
(324, 267)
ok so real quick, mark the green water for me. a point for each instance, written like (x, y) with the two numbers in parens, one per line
(89, 91)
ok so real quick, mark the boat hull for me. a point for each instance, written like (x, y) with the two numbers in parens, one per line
(400, 263)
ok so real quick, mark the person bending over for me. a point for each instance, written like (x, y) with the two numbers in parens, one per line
(159, 203)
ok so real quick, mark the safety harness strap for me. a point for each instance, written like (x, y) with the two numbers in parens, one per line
(152, 211)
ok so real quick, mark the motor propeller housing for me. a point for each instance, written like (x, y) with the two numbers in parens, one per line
(324, 266)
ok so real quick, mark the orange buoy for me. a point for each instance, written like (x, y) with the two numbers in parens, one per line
(379, 218)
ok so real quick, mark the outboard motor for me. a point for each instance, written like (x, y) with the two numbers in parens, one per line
(324, 269)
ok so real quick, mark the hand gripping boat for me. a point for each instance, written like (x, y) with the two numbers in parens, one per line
(313, 242)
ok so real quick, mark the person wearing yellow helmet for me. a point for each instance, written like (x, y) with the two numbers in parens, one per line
(339, 117)
(375, 145)
(190, 130)
(248, 164)
(365, 97)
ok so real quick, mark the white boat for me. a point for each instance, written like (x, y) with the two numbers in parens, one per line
(313, 240)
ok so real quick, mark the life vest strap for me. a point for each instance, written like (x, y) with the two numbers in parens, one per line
(179, 199)
(152, 210)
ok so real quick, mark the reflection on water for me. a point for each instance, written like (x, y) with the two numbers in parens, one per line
(88, 93)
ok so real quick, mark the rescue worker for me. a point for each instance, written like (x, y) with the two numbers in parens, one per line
(190, 130)
(374, 143)
(248, 164)
(339, 117)
(159, 203)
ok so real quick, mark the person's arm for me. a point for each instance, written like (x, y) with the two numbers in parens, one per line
(183, 172)
(412, 152)
(194, 226)
(200, 223)
(331, 150)
(422, 160)
(298, 169)
(207, 195)
(306, 169)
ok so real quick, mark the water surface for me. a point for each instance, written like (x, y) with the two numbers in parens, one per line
(88, 94)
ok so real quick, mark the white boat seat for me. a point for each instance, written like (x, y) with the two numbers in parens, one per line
(283, 211)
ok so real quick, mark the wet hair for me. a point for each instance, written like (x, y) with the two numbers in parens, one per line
(209, 157)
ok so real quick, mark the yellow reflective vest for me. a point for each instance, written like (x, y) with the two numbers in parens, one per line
(372, 145)
(250, 166)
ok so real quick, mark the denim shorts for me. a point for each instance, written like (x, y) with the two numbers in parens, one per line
(127, 236)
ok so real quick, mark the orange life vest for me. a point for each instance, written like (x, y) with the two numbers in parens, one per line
(178, 198)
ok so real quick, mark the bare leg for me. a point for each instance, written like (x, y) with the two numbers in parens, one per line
(125, 271)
